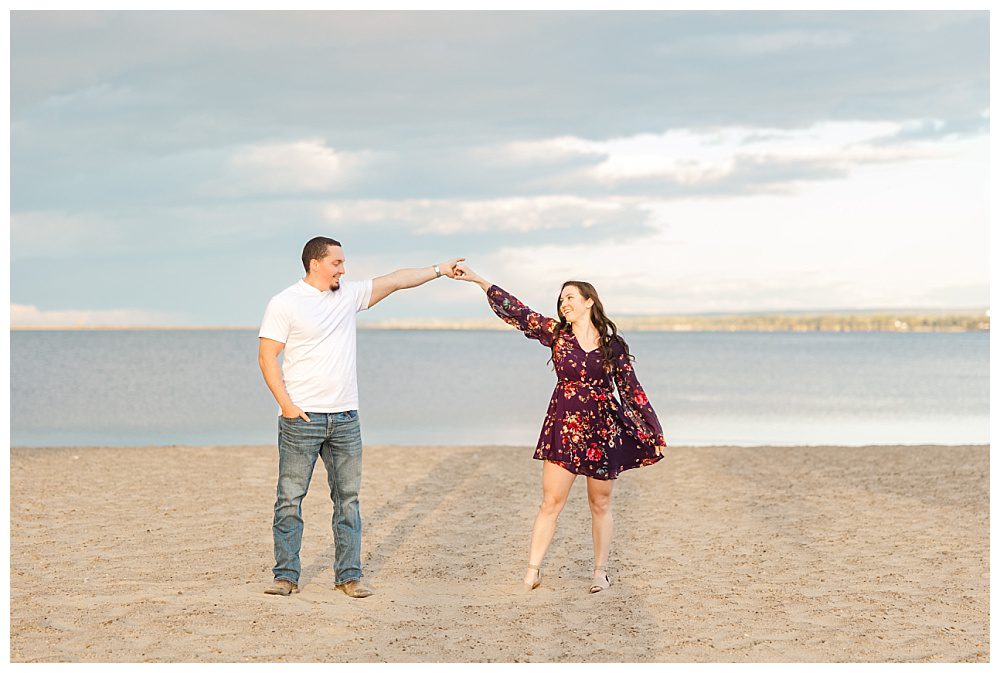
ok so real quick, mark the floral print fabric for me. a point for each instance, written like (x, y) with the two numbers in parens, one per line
(586, 430)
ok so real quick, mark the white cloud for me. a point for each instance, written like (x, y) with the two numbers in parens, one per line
(515, 214)
(912, 234)
(22, 315)
(692, 157)
(551, 150)
(302, 166)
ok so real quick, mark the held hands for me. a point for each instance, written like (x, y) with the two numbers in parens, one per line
(463, 272)
(449, 268)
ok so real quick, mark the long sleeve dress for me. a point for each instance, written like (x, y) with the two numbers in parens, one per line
(586, 430)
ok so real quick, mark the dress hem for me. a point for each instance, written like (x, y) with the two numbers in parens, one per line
(567, 466)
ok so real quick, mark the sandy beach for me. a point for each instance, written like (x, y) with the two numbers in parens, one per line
(721, 554)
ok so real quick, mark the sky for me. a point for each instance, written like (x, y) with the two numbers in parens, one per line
(168, 167)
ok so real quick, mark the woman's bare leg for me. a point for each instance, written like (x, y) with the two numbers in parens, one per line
(599, 496)
(556, 483)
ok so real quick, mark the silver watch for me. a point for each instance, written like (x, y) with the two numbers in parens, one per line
(437, 270)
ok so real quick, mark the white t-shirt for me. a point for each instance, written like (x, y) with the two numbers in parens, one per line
(319, 330)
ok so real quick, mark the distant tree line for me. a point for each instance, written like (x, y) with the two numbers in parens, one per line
(860, 322)
(814, 323)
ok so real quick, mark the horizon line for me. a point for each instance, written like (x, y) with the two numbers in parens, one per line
(489, 323)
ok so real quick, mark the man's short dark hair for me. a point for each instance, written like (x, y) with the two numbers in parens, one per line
(317, 248)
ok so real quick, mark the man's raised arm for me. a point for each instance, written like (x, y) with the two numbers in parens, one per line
(404, 279)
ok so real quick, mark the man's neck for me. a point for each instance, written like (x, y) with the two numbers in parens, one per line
(316, 283)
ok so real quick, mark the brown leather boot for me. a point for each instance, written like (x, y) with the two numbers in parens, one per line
(282, 588)
(356, 589)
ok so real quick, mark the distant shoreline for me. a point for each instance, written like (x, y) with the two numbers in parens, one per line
(938, 321)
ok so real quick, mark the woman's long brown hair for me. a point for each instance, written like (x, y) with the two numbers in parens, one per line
(606, 329)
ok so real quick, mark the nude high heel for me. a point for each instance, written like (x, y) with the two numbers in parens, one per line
(525, 587)
(600, 585)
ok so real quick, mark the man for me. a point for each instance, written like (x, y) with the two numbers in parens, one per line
(314, 322)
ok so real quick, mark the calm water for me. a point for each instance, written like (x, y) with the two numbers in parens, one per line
(194, 387)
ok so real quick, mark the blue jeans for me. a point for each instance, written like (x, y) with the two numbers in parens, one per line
(337, 438)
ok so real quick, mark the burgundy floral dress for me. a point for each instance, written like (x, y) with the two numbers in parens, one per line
(586, 430)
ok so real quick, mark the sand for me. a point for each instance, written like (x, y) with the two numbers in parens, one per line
(721, 554)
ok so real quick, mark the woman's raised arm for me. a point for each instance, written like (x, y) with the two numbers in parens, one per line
(511, 310)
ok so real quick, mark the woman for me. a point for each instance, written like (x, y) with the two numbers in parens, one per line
(586, 431)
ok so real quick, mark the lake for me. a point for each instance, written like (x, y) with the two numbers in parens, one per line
(122, 388)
